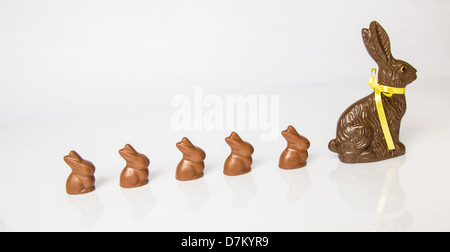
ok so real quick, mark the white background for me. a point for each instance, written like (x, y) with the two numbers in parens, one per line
(95, 75)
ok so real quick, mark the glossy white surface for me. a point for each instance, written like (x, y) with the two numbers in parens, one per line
(409, 193)
(92, 76)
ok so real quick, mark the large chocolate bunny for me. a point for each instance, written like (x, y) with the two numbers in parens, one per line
(81, 179)
(135, 172)
(191, 166)
(359, 135)
(240, 160)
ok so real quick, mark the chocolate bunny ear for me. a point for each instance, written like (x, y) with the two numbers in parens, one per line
(377, 43)
(290, 134)
(128, 149)
(73, 156)
(190, 151)
(185, 145)
(234, 141)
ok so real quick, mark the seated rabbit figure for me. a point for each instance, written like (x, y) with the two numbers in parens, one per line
(240, 160)
(191, 166)
(360, 137)
(81, 179)
(296, 152)
(135, 172)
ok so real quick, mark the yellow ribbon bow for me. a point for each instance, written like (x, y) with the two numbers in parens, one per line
(388, 92)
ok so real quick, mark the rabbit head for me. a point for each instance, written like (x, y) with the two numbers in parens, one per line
(238, 146)
(295, 140)
(134, 158)
(78, 164)
(392, 72)
(191, 152)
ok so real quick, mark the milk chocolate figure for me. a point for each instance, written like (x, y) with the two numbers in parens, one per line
(191, 166)
(240, 159)
(135, 172)
(296, 152)
(359, 136)
(81, 179)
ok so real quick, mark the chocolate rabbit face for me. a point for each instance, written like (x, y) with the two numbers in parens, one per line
(78, 164)
(295, 140)
(238, 146)
(392, 72)
(191, 152)
(134, 158)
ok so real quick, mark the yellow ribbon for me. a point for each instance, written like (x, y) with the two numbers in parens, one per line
(388, 92)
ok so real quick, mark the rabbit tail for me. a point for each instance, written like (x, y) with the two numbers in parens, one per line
(332, 145)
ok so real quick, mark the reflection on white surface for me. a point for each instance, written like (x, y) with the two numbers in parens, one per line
(243, 187)
(298, 181)
(142, 200)
(197, 192)
(90, 207)
(407, 193)
(375, 188)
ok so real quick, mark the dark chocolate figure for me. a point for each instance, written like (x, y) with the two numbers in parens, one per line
(82, 179)
(191, 166)
(359, 135)
(296, 152)
(135, 172)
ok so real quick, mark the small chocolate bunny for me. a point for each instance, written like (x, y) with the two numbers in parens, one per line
(296, 152)
(240, 160)
(81, 179)
(135, 172)
(363, 134)
(191, 166)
